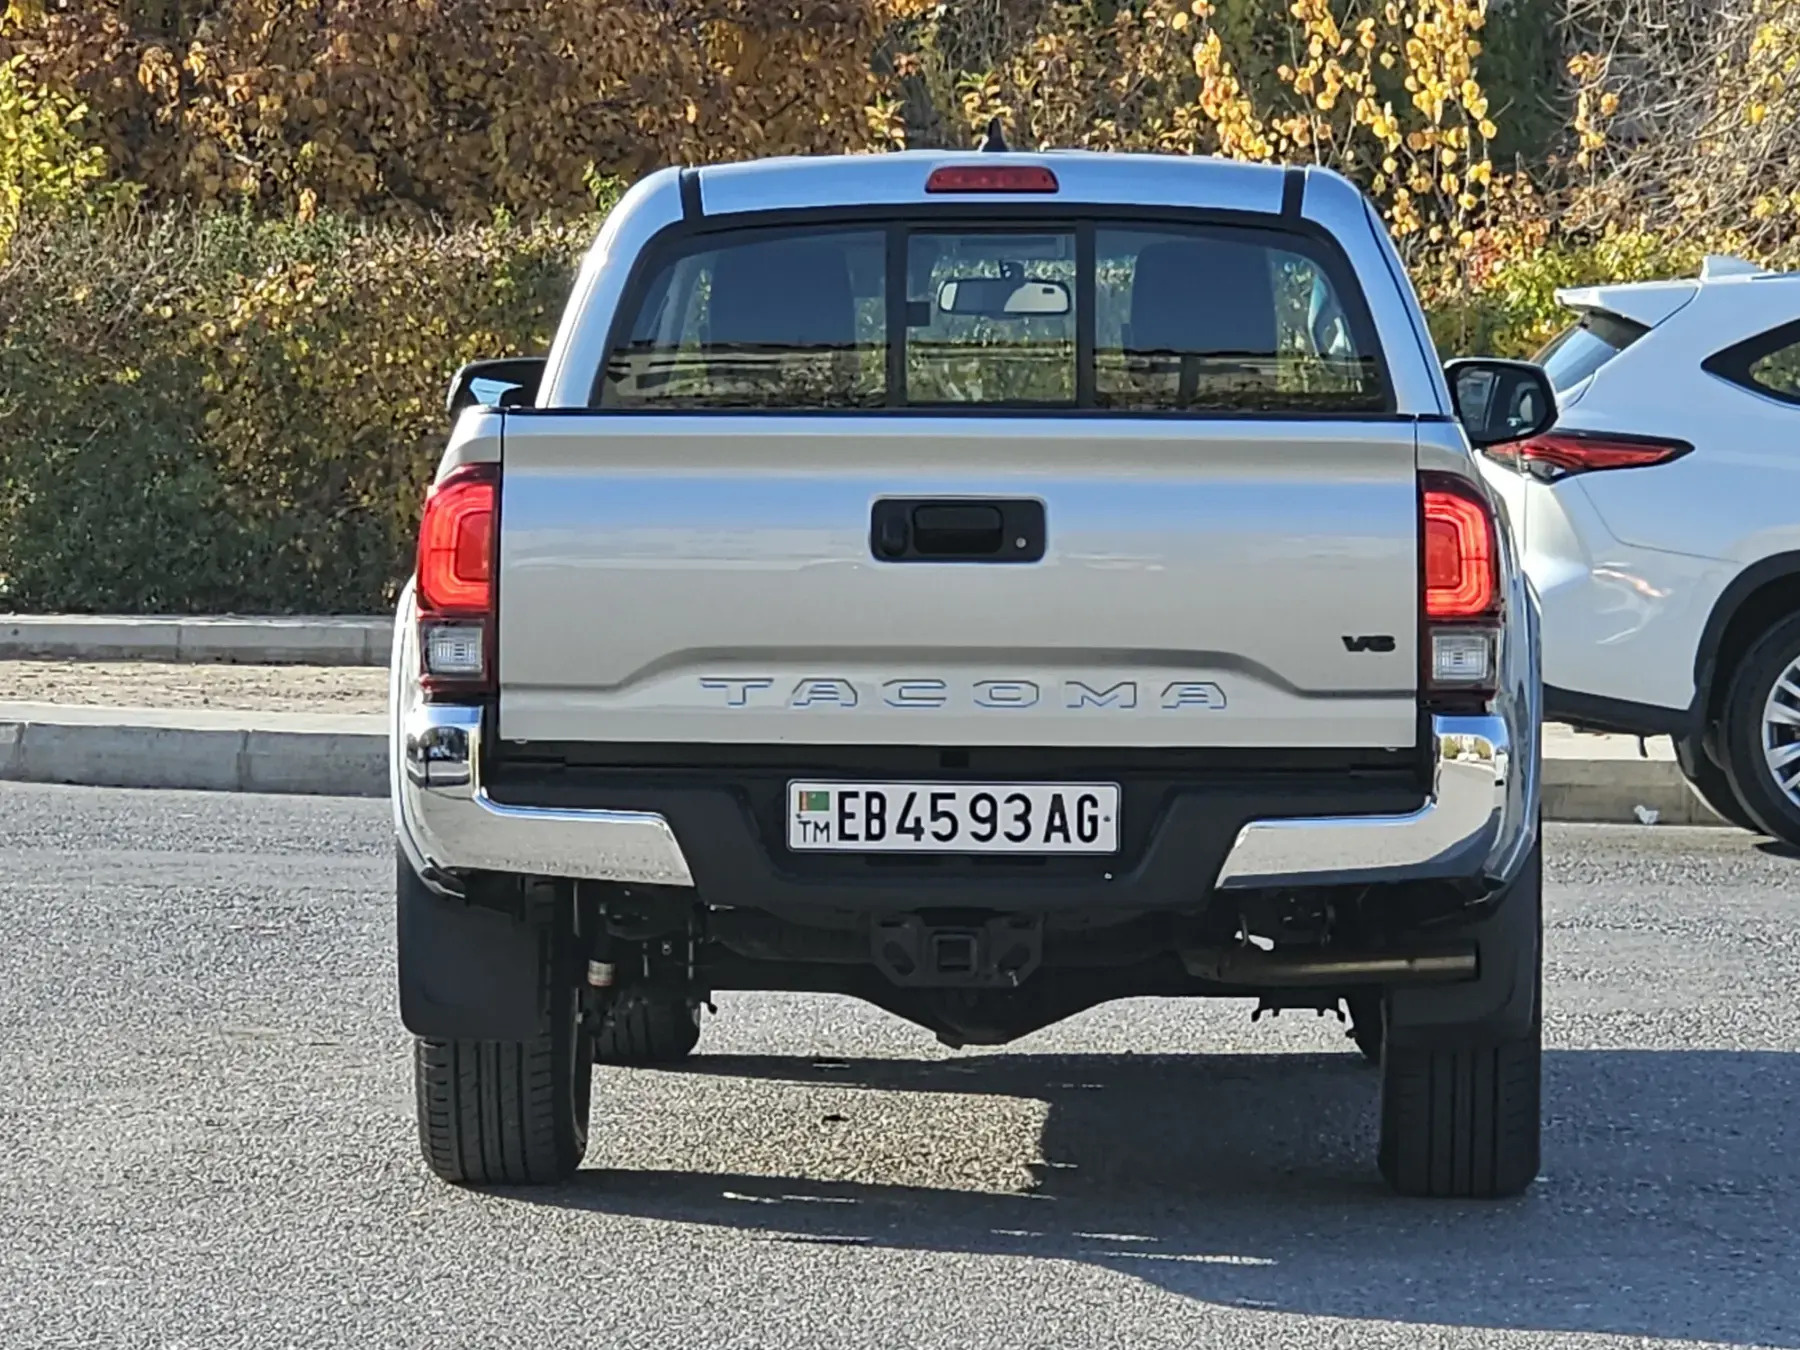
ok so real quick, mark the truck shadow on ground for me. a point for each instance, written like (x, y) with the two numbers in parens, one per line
(1668, 1205)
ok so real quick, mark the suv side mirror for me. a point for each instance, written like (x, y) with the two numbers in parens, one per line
(1499, 401)
(508, 383)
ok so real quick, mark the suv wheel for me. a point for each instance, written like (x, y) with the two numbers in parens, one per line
(1760, 735)
(643, 1027)
(1460, 1113)
(510, 1113)
(1711, 784)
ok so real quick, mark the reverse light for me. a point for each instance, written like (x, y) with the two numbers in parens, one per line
(1463, 657)
(991, 178)
(455, 650)
(1558, 454)
(455, 586)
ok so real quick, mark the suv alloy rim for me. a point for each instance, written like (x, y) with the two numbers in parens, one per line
(1781, 732)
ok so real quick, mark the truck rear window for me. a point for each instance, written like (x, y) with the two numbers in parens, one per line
(1121, 317)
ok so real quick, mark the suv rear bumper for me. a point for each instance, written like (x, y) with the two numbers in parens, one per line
(1477, 823)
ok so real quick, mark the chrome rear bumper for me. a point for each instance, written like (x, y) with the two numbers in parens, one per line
(1482, 802)
(449, 823)
(1466, 827)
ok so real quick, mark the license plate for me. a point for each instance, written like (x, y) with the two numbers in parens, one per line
(953, 817)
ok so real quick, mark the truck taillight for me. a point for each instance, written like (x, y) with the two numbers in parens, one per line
(1459, 552)
(456, 581)
(1460, 590)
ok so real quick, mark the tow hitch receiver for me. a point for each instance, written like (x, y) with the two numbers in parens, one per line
(997, 954)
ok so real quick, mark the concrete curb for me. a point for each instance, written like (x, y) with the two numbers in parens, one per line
(347, 756)
(344, 640)
(1610, 791)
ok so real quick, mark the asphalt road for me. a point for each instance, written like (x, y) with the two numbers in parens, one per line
(206, 1136)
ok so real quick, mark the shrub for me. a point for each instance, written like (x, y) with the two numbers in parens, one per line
(203, 414)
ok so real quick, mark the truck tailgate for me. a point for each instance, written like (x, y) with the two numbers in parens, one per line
(711, 579)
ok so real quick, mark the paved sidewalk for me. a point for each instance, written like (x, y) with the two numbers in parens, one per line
(160, 684)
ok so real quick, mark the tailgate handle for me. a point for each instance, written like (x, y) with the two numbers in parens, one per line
(912, 530)
(958, 530)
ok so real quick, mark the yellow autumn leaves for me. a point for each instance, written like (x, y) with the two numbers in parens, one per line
(429, 108)
(43, 159)
(1421, 148)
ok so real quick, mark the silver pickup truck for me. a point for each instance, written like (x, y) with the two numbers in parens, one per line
(985, 585)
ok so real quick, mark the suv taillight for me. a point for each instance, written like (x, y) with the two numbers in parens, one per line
(456, 582)
(1459, 591)
(1558, 454)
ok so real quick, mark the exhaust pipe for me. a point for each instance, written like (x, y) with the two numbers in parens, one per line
(1254, 967)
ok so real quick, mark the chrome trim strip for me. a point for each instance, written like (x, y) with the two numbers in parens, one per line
(1459, 829)
(451, 823)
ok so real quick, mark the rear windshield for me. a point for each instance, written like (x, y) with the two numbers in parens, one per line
(1121, 317)
(1577, 352)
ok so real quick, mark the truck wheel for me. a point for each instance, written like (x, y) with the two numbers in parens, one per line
(1366, 1017)
(1460, 1109)
(647, 1028)
(1711, 784)
(1760, 736)
(509, 1113)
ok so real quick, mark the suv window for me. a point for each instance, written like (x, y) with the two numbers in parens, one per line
(1778, 372)
(1580, 350)
(1125, 317)
(1768, 363)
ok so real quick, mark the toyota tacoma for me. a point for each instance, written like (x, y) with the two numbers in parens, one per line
(985, 585)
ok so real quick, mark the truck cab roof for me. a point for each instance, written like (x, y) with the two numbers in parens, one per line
(1087, 177)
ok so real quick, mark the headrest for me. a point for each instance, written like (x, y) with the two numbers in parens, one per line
(782, 292)
(1196, 296)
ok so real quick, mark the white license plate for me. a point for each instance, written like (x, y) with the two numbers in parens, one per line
(953, 817)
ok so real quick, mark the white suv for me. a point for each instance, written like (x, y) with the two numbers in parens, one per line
(1660, 522)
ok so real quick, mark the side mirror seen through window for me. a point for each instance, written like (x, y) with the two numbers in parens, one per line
(508, 383)
(1499, 401)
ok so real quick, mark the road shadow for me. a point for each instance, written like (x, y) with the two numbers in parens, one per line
(1668, 1206)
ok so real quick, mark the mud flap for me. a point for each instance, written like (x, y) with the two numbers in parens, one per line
(1501, 1003)
(468, 972)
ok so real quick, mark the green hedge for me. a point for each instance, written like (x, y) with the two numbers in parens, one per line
(216, 415)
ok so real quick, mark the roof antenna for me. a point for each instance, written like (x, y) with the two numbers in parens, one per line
(994, 138)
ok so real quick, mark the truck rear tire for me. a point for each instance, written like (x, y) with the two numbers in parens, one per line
(1460, 1110)
(1461, 1123)
(1367, 1015)
(503, 1113)
(643, 1028)
(509, 1112)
